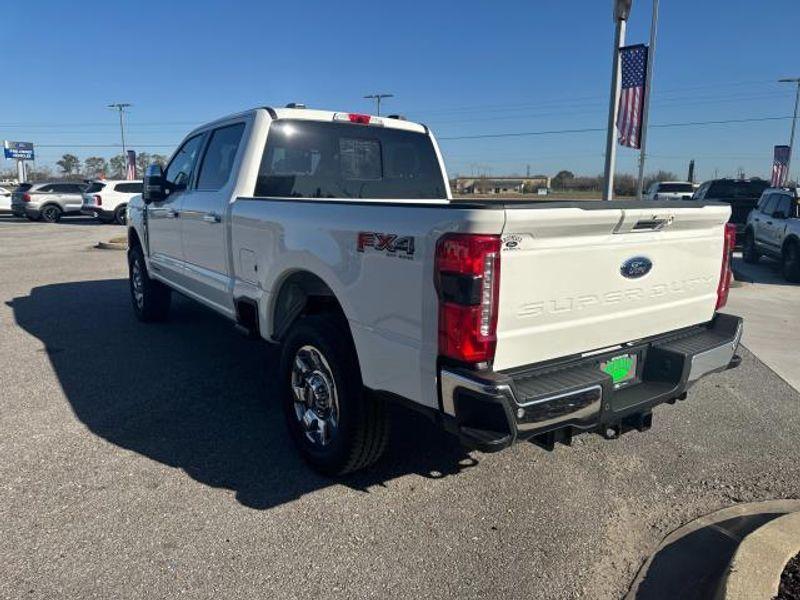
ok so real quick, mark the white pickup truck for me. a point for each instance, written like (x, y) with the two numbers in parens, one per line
(335, 236)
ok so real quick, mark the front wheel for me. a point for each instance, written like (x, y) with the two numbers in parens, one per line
(337, 427)
(749, 252)
(151, 299)
(791, 262)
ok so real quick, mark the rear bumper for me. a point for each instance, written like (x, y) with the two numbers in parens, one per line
(23, 210)
(551, 402)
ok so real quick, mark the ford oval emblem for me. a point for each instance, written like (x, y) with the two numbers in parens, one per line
(636, 267)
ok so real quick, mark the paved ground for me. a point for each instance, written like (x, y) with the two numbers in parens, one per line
(151, 461)
(771, 308)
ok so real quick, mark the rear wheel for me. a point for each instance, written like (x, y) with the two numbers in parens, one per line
(120, 215)
(151, 299)
(51, 213)
(749, 252)
(337, 427)
(791, 262)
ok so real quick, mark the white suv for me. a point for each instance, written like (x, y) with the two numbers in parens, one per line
(670, 190)
(108, 200)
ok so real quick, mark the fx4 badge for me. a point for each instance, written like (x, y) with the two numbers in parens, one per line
(390, 243)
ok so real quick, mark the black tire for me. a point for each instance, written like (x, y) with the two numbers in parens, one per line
(362, 428)
(749, 252)
(51, 213)
(790, 263)
(105, 220)
(120, 215)
(151, 299)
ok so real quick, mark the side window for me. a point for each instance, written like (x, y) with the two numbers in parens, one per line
(179, 171)
(217, 164)
(784, 206)
(769, 205)
(129, 188)
(76, 188)
(45, 188)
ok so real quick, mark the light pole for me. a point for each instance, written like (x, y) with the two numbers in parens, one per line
(651, 57)
(120, 108)
(622, 9)
(378, 98)
(796, 81)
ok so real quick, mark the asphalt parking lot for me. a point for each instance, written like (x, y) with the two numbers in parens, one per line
(152, 461)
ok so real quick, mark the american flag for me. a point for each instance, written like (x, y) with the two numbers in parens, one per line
(634, 75)
(131, 165)
(780, 165)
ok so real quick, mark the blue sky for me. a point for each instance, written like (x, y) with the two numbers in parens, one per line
(464, 68)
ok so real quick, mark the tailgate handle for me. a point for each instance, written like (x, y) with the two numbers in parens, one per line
(652, 224)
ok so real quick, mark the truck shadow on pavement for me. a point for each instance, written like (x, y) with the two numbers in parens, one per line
(193, 394)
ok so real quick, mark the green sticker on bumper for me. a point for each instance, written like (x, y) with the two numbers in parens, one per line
(620, 368)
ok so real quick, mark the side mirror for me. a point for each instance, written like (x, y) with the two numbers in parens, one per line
(154, 187)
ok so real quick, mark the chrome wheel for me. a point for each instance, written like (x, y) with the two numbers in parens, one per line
(137, 283)
(316, 400)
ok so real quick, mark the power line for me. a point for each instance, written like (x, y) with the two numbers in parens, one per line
(596, 129)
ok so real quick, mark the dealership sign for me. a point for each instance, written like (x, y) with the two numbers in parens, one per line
(18, 150)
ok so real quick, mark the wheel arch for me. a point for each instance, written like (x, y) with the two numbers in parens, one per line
(300, 292)
(790, 239)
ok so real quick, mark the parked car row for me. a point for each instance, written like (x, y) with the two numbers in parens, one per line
(106, 200)
(767, 219)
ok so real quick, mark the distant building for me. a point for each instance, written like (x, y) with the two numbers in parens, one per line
(501, 185)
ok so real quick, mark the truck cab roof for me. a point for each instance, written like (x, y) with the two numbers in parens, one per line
(325, 116)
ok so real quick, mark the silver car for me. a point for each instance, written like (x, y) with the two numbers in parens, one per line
(47, 201)
(773, 229)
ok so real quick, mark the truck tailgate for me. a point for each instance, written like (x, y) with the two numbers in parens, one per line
(562, 287)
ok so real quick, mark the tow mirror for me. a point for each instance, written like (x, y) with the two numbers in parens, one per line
(154, 188)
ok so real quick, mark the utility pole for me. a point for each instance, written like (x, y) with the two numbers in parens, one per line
(651, 57)
(622, 9)
(796, 81)
(378, 98)
(120, 108)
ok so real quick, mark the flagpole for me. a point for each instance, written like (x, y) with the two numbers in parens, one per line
(651, 55)
(611, 142)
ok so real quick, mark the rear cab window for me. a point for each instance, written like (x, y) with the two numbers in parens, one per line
(312, 159)
(676, 187)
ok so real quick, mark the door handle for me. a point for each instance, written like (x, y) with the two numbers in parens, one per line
(211, 218)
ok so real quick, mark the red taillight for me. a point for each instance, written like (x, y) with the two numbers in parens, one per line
(26, 197)
(356, 118)
(98, 201)
(726, 274)
(468, 283)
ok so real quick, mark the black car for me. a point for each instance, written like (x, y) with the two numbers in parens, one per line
(741, 194)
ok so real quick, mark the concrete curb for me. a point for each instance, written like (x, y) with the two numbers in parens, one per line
(693, 561)
(756, 568)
